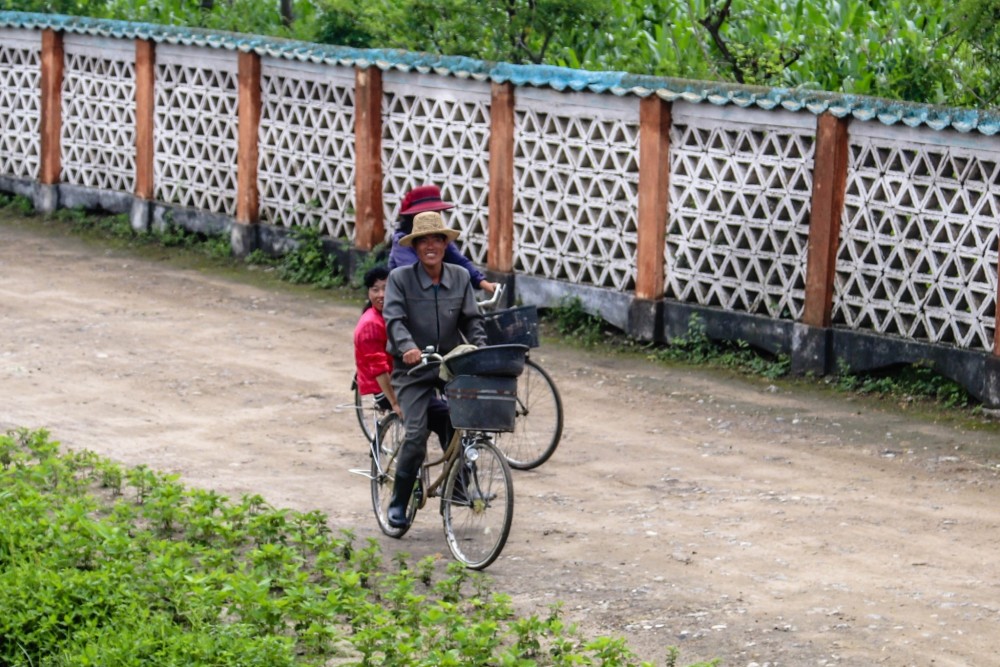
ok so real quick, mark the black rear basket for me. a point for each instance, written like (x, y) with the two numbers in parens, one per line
(512, 325)
(482, 403)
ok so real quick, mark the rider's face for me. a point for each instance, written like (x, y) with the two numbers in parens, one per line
(430, 249)
(376, 294)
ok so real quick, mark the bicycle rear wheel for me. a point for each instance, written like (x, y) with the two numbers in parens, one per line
(538, 421)
(389, 438)
(477, 503)
(367, 411)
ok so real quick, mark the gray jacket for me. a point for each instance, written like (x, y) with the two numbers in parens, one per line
(419, 314)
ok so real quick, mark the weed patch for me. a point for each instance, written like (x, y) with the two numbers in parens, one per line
(697, 348)
(905, 383)
(377, 257)
(17, 204)
(308, 263)
(573, 322)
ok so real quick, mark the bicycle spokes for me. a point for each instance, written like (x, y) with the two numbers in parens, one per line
(479, 504)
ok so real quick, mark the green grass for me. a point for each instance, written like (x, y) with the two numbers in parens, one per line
(111, 566)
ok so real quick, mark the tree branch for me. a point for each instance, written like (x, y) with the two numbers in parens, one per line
(713, 23)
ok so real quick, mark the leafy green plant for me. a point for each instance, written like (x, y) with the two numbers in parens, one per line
(375, 257)
(927, 51)
(111, 476)
(572, 320)
(173, 235)
(17, 204)
(258, 257)
(697, 347)
(97, 223)
(88, 577)
(904, 382)
(308, 262)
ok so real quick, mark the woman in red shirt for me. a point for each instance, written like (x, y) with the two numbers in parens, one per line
(372, 362)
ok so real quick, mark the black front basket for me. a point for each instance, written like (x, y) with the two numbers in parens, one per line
(482, 403)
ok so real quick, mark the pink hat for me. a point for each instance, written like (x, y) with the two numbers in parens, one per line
(423, 198)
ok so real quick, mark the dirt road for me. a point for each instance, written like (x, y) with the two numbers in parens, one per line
(761, 525)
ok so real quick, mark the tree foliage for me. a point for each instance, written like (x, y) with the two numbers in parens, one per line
(516, 31)
(931, 51)
(978, 29)
(902, 49)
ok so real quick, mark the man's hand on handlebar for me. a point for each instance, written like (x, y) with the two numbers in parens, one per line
(411, 357)
(418, 358)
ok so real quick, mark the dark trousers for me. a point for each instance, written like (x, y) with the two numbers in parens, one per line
(423, 412)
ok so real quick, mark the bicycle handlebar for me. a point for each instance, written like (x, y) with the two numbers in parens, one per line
(492, 302)
(430, 356)
(427, 357)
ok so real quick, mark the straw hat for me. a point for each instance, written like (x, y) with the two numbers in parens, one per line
(428, 224)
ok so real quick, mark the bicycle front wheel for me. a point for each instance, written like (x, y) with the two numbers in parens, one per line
(390, 437)
(477, 503)
(538, 421)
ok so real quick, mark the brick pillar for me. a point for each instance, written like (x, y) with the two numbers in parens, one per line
(369, 228)
(654, 196)
(500, 251)
(50, 160)
(811, 337)
(145, 104)
(244, 232)
(645, 315)
(829, 183)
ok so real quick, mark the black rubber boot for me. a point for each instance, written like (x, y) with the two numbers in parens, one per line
(401, 492)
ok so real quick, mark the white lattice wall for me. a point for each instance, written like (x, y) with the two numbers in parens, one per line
(20, 102)
(576, 177)
(98, 107)
(195, 128)
(740, 194)
(436, 130)
(918, 247)
(306, 164)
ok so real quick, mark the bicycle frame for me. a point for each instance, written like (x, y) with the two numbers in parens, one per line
(373, 450)
(474, 484)
(447, 458)
(446, 461)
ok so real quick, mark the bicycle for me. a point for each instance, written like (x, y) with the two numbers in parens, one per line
(475, 483)
(368, 411)
(538, 421)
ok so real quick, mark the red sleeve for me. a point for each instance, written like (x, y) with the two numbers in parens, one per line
(370, 356)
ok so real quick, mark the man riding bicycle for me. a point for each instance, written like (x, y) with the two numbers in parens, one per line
(427, 304)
